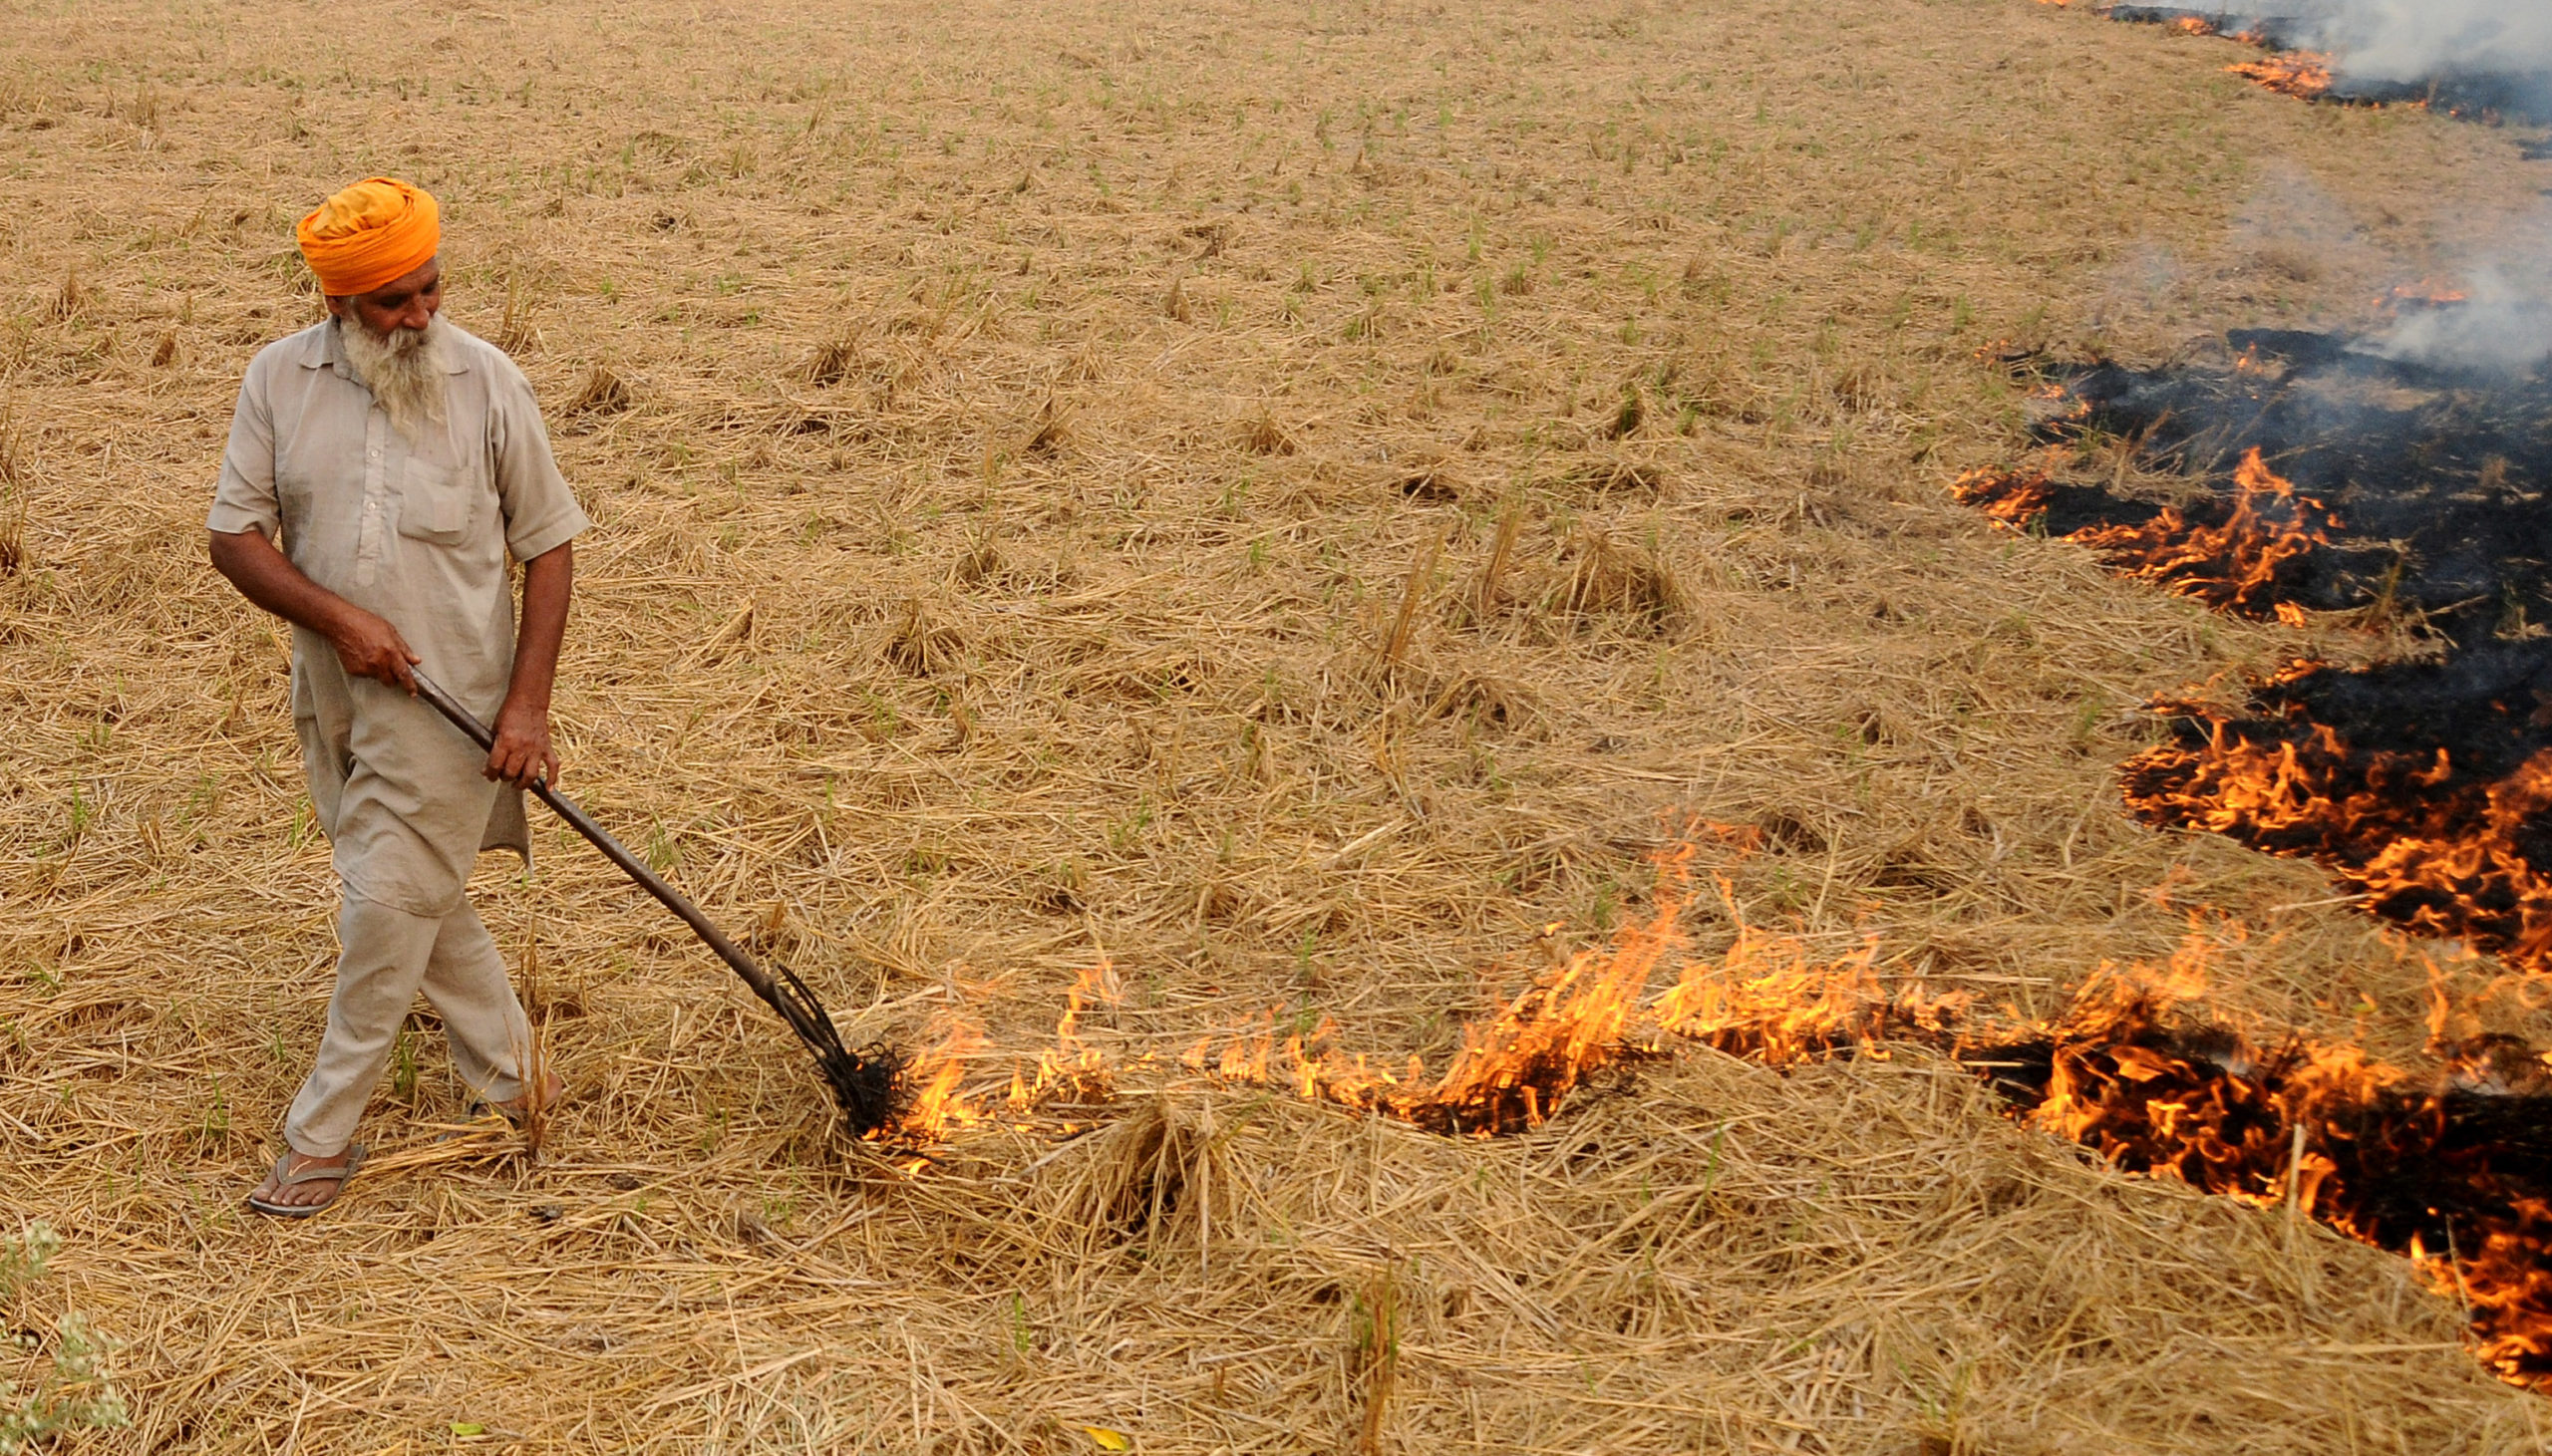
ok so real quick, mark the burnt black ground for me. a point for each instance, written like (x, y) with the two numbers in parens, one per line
(2276, 32)
(2433, 488)
(2485, 707)
(2437, 478)
(2483, 95)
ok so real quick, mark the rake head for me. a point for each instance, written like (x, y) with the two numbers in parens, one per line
(867, 1084)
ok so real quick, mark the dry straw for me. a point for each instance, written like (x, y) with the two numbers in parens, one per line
(1016, 437)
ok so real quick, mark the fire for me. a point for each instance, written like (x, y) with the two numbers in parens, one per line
(2006, 497)
(1515, 1069)
(2441, 852)
(2419, 784)
(2426, 293)
(1769, 999)
(942, 1107)
(2427, 843)
(1074, 1071)
(2234, 565)
(2305, 74)
(935, 1076)
(2128, 1069)
(2321, 1133)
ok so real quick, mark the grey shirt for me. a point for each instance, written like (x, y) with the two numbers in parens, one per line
(418, 532)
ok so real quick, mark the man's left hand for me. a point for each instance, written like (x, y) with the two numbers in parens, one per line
(522, 753)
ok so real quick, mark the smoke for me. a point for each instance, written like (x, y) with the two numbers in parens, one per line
(2501, 324)
(2496, 328)
(2291, 226)
(2421, 40)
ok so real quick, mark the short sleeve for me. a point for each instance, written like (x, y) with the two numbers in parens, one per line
(244, 497)
(542, 514)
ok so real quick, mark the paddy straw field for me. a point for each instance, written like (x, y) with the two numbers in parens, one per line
(1283, 502)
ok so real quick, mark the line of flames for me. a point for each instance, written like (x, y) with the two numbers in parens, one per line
(2305, 74)
(2233, 566)
(1515, 1068)
(2436, 855)
(2123, 1075)
(940, 1106)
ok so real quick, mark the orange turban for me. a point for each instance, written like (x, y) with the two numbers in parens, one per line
(371, 233)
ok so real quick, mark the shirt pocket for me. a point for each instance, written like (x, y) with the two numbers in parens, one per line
(436, 503)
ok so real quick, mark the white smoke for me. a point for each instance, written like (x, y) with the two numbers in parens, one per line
(2501, 52)
(2497, 328)
(2421, 40)
(2503, 322)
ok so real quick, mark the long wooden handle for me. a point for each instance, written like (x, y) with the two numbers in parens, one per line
(864, 1084)
(612, 849)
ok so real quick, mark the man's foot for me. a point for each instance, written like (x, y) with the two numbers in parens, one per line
(300, 1185)
(553, 1090)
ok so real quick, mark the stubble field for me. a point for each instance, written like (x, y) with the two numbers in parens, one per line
(1280, 502)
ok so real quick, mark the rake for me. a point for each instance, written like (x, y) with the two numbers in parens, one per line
(865, 1083)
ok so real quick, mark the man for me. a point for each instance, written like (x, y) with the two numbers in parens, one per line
(397, 461)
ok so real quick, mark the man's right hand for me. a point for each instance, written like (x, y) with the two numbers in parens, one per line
(371, 648)
(369, 645)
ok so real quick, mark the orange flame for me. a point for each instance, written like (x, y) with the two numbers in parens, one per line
(2317, 1129)
(2233, 566)
(2305, 74)
(2426, 293)
(2006, 497)
(935, 1076)
(2440, 858)
(1074, 1071)
(1767, 998)
(1515, 1069)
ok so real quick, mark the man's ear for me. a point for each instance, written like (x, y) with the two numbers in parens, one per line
(336, 306)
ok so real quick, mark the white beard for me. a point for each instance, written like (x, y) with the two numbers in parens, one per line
(403, 370)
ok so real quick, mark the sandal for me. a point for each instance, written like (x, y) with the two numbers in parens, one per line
(285, 1175)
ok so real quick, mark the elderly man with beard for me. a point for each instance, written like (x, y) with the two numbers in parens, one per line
(383, 466)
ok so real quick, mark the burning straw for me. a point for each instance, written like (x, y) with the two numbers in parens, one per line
(2422, 782)
(1515, 1069)
(2453, 1172)
(2229, 553)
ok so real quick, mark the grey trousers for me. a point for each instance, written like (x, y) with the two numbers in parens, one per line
(385, 957)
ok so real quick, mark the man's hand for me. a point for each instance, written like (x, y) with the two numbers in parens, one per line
(522, 750)
(369, 645)
(371, 648)
(522, 753)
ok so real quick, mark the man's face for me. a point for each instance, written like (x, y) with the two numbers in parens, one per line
(407, 302)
